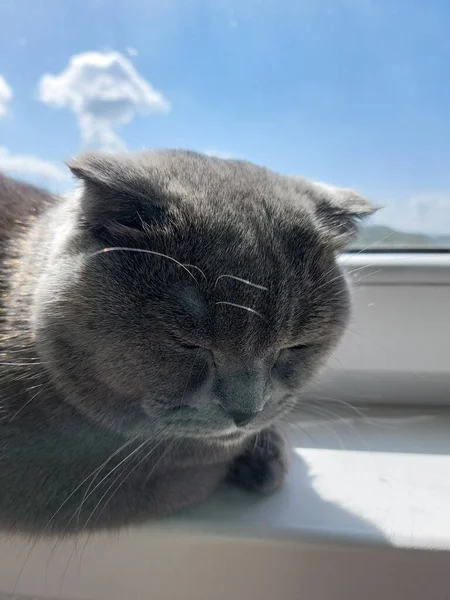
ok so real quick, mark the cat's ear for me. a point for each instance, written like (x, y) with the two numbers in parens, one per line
(338, 212)
(118, 190)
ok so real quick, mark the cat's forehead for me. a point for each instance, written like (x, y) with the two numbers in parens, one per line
(179, 171)
(246, 319)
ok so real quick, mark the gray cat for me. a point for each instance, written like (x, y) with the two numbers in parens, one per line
(155, 326)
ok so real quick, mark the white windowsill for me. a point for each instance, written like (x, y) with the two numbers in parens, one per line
(382, 478)
(354, 492)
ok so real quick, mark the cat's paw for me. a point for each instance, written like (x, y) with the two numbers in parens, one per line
(262, 467)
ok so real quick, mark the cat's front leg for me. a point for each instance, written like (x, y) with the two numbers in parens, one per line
(263, 464)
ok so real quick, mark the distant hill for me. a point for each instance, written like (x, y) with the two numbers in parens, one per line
(382, 236)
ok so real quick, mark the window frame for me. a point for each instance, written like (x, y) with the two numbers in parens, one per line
(397, 348)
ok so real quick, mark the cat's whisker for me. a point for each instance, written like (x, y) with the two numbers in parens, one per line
(296, 426)
(362, 250)
(142, 251)
(344, 273)
(373, 244)
(360, 414)
(367, 275)
(125, 460)
(98, 484)
(18, 364)
(348, 405)
(355, 431)
(124, 468)
(383, 347)
(256, 441)
(48, 523)
(24, 406)
(247, 308)
(87, 492)
(377, 242)
(35, 386)
(245, 281)
(336, 416)
(146, 457)
(326, 423)
(197, 269)
(329, 281)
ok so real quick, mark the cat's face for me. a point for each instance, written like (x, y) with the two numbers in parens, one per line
(192, 296)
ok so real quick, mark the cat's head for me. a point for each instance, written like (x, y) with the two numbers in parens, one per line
(190, 295)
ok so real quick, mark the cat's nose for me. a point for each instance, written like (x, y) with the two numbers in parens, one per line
(242, 418)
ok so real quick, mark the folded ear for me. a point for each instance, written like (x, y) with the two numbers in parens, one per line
(338, 212)
(117, 189)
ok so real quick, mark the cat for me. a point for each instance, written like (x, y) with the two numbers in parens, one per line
(157, 324)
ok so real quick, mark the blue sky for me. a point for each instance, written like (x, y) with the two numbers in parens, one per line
(351, 92)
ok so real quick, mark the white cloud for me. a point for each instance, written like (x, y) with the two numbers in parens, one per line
(105, 91)
(6, 95)
(131, 51)
(25, 164)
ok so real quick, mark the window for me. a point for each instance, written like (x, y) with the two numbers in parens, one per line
(353, 93)
(350, 92)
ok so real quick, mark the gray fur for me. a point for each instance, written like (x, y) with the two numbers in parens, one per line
(218, 297)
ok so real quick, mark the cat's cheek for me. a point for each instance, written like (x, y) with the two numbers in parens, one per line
(295, 368)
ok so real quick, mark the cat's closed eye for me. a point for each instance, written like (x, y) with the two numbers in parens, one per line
(190, 346)
(299, 347)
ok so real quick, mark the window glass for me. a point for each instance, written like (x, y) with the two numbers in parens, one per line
(351, 92)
